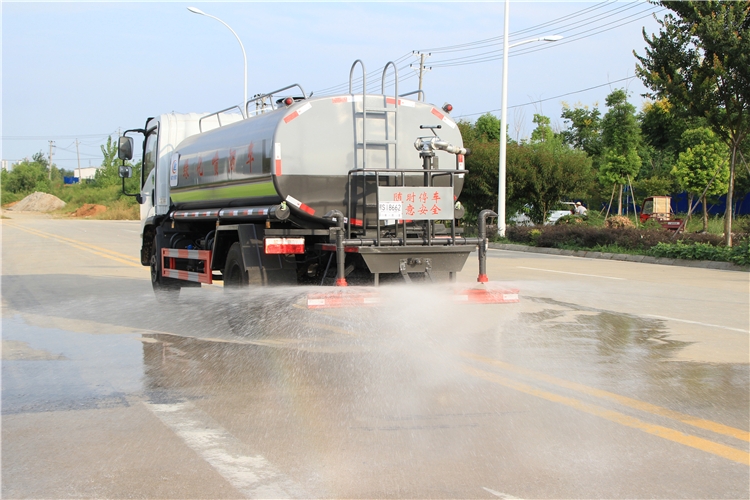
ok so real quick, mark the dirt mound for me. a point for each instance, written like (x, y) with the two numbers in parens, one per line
(88, 210)
(38, 202)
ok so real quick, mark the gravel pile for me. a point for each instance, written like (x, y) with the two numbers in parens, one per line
(38, 202)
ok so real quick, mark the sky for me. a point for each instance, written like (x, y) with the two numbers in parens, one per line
(82, 71)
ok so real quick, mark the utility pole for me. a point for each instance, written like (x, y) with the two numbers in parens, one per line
(422, 67)
(78, 155)
(51, 145)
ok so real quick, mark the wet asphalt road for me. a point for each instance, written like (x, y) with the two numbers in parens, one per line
(607, 380)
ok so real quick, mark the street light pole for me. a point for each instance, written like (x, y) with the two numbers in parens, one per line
(244, 55)
(501, 188)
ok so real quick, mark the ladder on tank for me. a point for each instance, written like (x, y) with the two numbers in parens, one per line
(389, 174)
(390, 139)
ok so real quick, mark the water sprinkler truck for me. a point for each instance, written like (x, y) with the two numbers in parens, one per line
(352, 189)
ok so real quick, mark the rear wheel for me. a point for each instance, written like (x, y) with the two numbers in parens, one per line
(235, 274)
(239, 309)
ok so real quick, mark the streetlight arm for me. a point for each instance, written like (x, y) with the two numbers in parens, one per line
(502, 177)
(244, 55)
(550, 38)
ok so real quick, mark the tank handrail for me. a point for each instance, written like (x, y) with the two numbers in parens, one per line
(271, 94)
(218, 116)
(395, 104)
(382, 80)
(364, 79)
(364, 108)
(395, 172)
(420, 92)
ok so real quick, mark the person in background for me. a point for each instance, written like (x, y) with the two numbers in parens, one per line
(580, 209)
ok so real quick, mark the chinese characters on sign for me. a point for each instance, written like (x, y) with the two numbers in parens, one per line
(415, 203)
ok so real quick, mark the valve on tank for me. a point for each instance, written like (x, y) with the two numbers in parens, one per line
(428, 145)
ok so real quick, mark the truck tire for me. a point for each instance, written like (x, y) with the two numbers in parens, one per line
(235, 274)
(164, 291)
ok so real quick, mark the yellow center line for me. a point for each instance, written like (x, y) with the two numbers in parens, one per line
(623, 400)
(103, 252)
(721, 450)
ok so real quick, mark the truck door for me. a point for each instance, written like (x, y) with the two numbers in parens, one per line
(148, 172)
(159, 167)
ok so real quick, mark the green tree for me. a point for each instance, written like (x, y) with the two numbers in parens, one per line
(705, 161)
(547, 172)
(543, 131)
(583, 129)
(654, 186)
(538, 174)
(620, 137)
(662, 126)
(108, 173)
(701, 60)
(28, 176)
(481, 183)
(487, 128)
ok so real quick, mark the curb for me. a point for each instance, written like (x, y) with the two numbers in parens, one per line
(645, 259)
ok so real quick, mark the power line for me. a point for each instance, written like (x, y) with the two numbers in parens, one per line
(357, 81)
(498, 39)
(573, 24)
(498, 54)
(56, 137)
(551, 98)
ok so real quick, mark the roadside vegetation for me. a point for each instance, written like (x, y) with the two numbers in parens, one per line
(691, 137)
(589, 233)
(105, 189)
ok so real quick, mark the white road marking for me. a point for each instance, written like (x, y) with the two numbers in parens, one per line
(577, 274)
(698, 323)
(500, 495)
(252, 475)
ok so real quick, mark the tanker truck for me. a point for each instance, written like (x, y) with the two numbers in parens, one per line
(292, 189)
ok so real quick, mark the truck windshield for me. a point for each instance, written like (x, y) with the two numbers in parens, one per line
(149, 155)
(648, 207)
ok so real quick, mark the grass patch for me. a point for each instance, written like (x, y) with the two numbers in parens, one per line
(602, 248)
(120, 210)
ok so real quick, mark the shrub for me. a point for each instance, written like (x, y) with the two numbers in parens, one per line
(696, 251)
(740, 254)
(584, 236)
(574, 235)
(519, 234)
(572, 219)
(652, 224)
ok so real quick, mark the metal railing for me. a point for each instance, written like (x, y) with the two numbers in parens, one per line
(217, 114)
(400, 177)
(270, 96)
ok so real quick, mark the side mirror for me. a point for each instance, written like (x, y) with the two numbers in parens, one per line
(125, 149)
(126, 172)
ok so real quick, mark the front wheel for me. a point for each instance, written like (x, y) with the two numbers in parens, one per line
(163, 291)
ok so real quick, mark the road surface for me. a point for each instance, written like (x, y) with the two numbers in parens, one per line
(607, 380)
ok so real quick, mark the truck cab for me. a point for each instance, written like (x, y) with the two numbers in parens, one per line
(659, 208)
